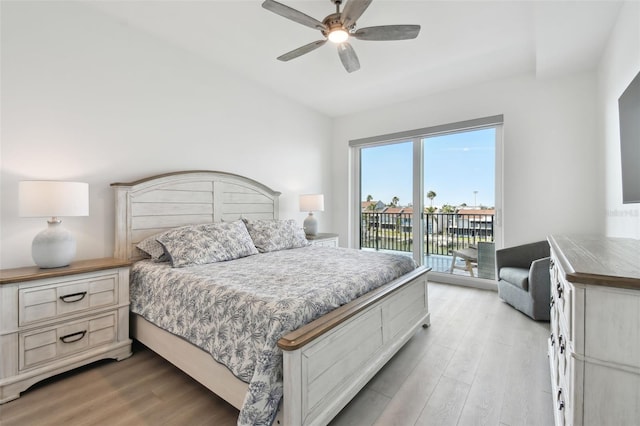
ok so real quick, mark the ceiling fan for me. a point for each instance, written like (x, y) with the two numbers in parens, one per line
(339, 27)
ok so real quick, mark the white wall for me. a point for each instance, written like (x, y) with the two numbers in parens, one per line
(620, 64)
(86, 98)
(552, 177)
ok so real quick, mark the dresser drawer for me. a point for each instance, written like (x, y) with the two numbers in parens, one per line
(564, 360)
(51, 343)
(560, 405)
(562, 297)
(48, 302)
(565, 402)
(553, 343)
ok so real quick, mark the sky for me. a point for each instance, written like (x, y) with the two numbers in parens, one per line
(455, 165)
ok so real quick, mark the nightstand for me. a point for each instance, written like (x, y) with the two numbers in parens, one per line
(324, 240)
(54, 320)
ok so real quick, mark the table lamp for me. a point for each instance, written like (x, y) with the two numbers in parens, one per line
(55, 246)
(310, 203)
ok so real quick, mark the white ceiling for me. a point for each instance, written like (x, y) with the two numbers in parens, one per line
(461, 43)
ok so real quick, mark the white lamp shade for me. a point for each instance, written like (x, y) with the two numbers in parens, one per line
(312, 203)
(40, 198)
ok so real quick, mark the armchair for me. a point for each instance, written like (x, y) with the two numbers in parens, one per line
(524, 280)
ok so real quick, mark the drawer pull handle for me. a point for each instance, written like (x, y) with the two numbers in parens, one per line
(75, 296)
(560, 401)
(559, 291)
(76, 336)
(553, 340)
(553, 302)
(561, 344)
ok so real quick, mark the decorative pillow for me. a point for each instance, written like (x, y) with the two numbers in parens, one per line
(153, 248)
(207, 243)
(273, 235)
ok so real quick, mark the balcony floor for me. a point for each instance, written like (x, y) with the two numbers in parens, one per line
(437, 262)
(441, 263)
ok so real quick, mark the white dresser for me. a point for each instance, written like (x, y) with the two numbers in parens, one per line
(324, 240)
(594, 347)
(53, 320)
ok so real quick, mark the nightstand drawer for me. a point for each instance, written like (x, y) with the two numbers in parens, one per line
(48, 302)
(326, 243)
(48, 344)
(323, 240)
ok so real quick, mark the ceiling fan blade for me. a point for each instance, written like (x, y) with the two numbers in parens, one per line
(293, 14)
(353, 10)
(348, 57)
(301, 50)
(388, 32)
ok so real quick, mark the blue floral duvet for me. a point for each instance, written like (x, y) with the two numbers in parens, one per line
(237, 310)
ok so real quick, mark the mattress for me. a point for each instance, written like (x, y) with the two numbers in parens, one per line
(237, 310)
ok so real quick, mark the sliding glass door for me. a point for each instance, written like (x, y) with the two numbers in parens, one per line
(434, 196)
(387, 197)
(459, 200)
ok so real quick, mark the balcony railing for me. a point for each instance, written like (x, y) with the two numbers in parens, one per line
(443, 232)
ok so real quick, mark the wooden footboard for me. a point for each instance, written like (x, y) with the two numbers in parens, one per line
(327, 362)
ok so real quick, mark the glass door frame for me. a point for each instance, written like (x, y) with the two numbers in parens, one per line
(416, 137)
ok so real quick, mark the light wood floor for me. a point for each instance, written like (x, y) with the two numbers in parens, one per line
(480, 363)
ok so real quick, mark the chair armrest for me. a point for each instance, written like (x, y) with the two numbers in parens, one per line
(521, 256)
(540, 280)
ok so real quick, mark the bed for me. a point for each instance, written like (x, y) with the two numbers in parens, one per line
(324, 362)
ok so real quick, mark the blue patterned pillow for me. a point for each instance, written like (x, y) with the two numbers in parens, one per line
(207, 243)
(273, 235)
(153, 248)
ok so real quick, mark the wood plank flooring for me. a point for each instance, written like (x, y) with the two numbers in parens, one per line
(480, 363)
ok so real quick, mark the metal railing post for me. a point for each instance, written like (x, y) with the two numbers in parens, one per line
(377, 225)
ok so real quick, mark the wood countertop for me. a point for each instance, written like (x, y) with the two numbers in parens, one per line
(599, 260)
(31, 273)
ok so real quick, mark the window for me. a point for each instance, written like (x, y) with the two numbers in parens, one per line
(432, 193)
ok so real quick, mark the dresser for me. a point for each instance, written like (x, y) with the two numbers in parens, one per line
(54, 320)
(324, 240)
(594, 346)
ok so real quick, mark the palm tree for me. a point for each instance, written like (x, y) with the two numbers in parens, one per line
(433, 219)
(446, 220)
(369, 198)
(394, 201)
(431, 195)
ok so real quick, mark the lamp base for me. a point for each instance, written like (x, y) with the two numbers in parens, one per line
(54, 247)
(310, 225)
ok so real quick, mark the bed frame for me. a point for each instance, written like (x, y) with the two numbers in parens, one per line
(326, 362)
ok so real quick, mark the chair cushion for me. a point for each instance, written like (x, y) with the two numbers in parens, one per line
(516, 276)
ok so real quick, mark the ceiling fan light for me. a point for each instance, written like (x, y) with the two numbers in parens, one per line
(338, 36)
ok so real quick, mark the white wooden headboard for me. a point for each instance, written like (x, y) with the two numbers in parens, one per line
(151, 205)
